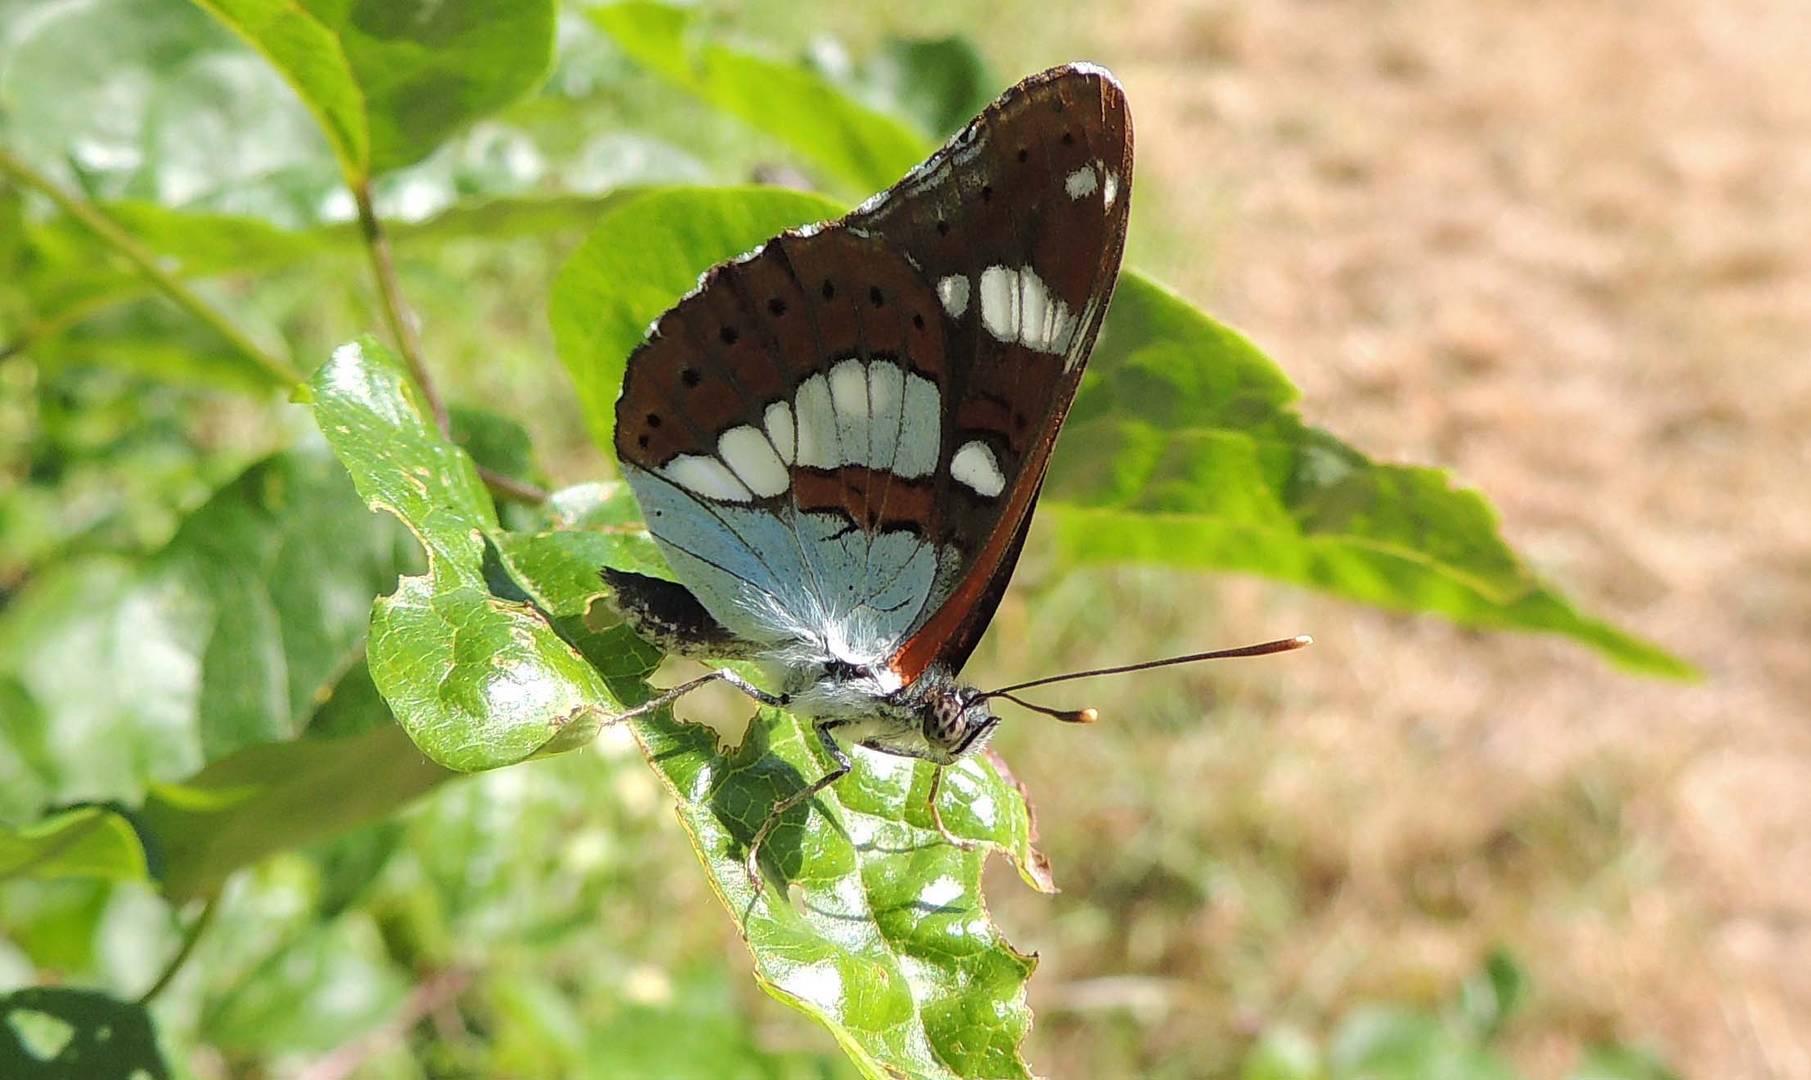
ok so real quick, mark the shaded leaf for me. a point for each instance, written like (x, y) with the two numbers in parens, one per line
(389, 80)
(474, 667)
(849, 141)
(327, 987)
(939, 82)
(83, 842)
(271, 798)
(58, 1033)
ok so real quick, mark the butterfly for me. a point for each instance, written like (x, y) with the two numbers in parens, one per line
(837, 439)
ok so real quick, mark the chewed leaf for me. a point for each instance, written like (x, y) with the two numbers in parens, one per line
(880, 932)
(58, 1031)
(478, 670)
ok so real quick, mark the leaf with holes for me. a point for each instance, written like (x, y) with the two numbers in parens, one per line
(55, 1032)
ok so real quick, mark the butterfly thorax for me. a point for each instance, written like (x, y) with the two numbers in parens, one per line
(931, 718)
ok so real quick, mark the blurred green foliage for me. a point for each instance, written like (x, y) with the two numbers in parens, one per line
(206, 796)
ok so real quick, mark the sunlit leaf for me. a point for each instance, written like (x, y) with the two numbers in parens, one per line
(882, 934)
(476, 670)
(61, 1033)
(85, 842)
(310, 55)
(849, 141)
(389, 80)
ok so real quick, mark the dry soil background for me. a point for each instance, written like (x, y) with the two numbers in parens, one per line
(1560, 248)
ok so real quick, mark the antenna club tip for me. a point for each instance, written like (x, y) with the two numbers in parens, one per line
(1087, 716)
(1302, 641)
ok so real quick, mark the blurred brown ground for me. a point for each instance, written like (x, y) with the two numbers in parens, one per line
(1561, 249)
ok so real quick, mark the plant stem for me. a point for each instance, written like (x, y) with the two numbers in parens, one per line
(148, 264)
(190, 937)
(396, 311)
(508, 488)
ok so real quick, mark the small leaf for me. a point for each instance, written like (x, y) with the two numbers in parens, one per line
(1283, 1053)
(1493, 994)
(271, 798)
(1619, 1061)
(389, 80)
(84, 842)
(1389, 1043)
(851, 142)
(58, 1033)
(475, 669)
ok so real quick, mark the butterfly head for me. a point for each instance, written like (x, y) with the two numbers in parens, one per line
(956, 721)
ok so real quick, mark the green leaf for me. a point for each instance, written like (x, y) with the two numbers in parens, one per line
(1493, 994)
(1617, 1061)
(478, 678)
(883, 936)
(271, 798)
(1389, 1043)
(389, 80)
(939, 82)
(1283, 1053)
(230, 636)
(849, 141)
(58, 1033)
(311, 58)
(643, 255)
(83, 842)
(320, 991)
(1184, 449)
(26, 768)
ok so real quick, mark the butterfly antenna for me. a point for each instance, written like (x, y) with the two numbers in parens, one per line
(1088, 716)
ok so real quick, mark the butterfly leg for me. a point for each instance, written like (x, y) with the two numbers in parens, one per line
(840, 770)
(937, 818)
(667, 697)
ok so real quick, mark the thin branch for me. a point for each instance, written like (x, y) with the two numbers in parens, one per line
(516, 490)
(396, 310)
(189, 938)
(148, 264)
